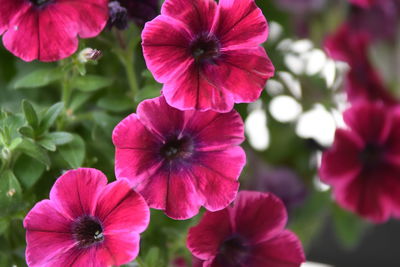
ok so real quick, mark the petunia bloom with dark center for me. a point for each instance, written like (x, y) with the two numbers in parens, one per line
(250, 233)
(86, 222)
(180, 160)
(48, 30)
(363, 165)
(208, 56)
(87, 231)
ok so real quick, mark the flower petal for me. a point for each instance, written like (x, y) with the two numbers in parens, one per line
(135, 164)
(197, 14)
(216, 174)
(285, 250)
(154, 189)
(166, 48)
(372, 121)
(121, 209)
(204, 240)
(183, 201)
(258, 216)
(194, 90)
(241, 22)
(76, 191)
(9, 10)
(48, 234)
(57, 33)
(243, 73)
(214, 131)
(87, 26)
(22, 39)
(149, 112)
(342, 160)
(136, 150)
(121, 248)
(366, 195)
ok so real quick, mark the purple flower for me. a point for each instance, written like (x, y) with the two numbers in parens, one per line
(180, 160)
(208, 56)
(250, 233)
(86, 222)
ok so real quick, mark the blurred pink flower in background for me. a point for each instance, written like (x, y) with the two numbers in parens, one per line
(363, 82)
(363, 165)
(86, 222)
(250, 233)
(180, 160)
(208, 56)
(47, 30)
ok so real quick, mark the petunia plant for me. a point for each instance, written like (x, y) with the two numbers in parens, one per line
(196, 132)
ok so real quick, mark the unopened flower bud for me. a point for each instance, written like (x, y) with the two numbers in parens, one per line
(89, 54)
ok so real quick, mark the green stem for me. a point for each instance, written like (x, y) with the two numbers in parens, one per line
(126, 54)
(130, 73)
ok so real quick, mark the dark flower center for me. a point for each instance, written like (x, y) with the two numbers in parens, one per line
(38, 2)
(233, 252)
(371, 155)
(177, 147)
(87, 230)
(205, 48)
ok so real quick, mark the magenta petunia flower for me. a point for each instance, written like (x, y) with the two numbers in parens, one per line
(362, 81)
(363, 165)
(208, 56)
(250, 233)
(180, 160)
(47, 30)
(86, 222)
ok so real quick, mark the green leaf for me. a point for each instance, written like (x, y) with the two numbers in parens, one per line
(10, 191)
(15, 143)
(152, 257)
(31, 149)
(28, 170)
(38, 78)
(27, 131)
(78, 99)
(30, 114)
(116, 103)
(47, 144)
(50, 116)
(91, 83)
(4, 223)
(73, 152)
(348, 226)
(60, 138)
(147, 92)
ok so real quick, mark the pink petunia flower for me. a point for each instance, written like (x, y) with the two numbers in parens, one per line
(180, 160)
(208, 56)
(363, 82)
(47, 30)
(250, 233)
(363, 165)
(86, 222)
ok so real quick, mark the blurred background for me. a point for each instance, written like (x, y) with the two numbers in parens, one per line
(287, 128)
